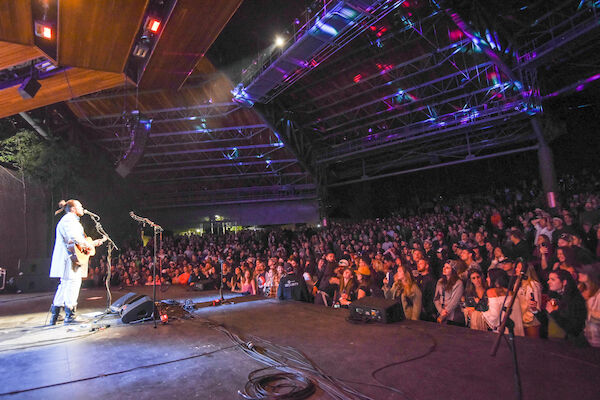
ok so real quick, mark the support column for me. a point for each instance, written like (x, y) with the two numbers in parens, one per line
(546, 165)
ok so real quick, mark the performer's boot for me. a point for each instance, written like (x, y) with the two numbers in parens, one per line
(70, 316)
(55, 313)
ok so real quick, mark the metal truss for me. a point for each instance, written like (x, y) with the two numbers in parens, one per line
(474, 119)
(224, 177)
(438, 165)
(457, 144)
(162, 116)
(233, 196)
(241, 131)
(555, 30)
(288, 162)
(261, 72)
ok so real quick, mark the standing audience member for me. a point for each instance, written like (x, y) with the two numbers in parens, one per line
(566, 309)
(589, 285)
(498, 297)
(448, 292)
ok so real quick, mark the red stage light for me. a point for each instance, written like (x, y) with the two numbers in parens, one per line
(47, 32)
(154, 25)
(357, 78)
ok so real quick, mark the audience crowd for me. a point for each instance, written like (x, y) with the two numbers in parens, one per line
(455, 262)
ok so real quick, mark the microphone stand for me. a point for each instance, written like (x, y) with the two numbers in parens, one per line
(508, 323)
(110, 247)
(157, 228)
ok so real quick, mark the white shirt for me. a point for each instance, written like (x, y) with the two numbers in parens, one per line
(68, 229)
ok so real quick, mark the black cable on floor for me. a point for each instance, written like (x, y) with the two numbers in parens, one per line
(277, 386)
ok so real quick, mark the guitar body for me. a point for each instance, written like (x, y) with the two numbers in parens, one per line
(79, 255)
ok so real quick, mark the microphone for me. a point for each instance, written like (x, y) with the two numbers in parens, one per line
(90, 213)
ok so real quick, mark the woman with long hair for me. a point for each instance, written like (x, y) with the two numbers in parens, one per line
(347, 290)
(248, 284)
(589, 286)
(363, 279)
(408, 291)
(448, 292)
(236, 280)
(499, 257)
(543, 259)
(475, 298)
(531, 289)
(566, 260)
(498, 297)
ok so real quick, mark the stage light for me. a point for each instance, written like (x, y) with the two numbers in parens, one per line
(43, 30)
(153, 25)
(279, 41)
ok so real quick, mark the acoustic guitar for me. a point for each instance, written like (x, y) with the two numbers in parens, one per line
(80, 255)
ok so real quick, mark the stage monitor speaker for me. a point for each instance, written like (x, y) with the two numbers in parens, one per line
(139, 309)
(127, 299)
(376, 309)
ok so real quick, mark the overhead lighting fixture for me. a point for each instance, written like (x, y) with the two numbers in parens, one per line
(153, 25)
(279, 41)
(43, 30)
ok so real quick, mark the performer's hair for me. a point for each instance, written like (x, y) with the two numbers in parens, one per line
(65, 206)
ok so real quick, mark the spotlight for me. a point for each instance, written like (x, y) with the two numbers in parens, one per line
(153, 25)
(279, 41)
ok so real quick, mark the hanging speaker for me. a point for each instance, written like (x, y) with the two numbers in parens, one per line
(29, 88)
(139, 309)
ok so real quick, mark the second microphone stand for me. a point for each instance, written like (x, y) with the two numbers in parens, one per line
(109, 248)
(157, 228)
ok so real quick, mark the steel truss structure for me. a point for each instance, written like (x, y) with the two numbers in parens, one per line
(408, 85)
(425, 89)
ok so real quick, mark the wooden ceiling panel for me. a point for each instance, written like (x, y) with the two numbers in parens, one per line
(63, 86)
(192, 28)
(13, 54)
(98, 34)
(15, 21)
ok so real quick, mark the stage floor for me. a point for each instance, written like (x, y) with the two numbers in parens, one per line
(188, 358)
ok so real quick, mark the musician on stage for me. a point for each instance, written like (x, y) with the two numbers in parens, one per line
(69, 232)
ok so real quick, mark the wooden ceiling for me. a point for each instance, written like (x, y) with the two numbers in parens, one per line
(15, 21)
(98, 34)
(65, 85)
(95, 39)
(193, 27)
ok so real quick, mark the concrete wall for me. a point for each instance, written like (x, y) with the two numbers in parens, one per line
(24, 222)
(270, 213)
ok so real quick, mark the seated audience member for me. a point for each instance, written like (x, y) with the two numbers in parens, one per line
(530, 290)
(248, 284)
(498, 298)
(363, 279)
(566, 309)
(448, 292)
(426, 283)
(235, 284)
(348, 288)
(291, 286)
(589, 286)
(475, 299)
(406, 289)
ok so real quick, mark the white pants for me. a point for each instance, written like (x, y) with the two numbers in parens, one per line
(67, 293)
